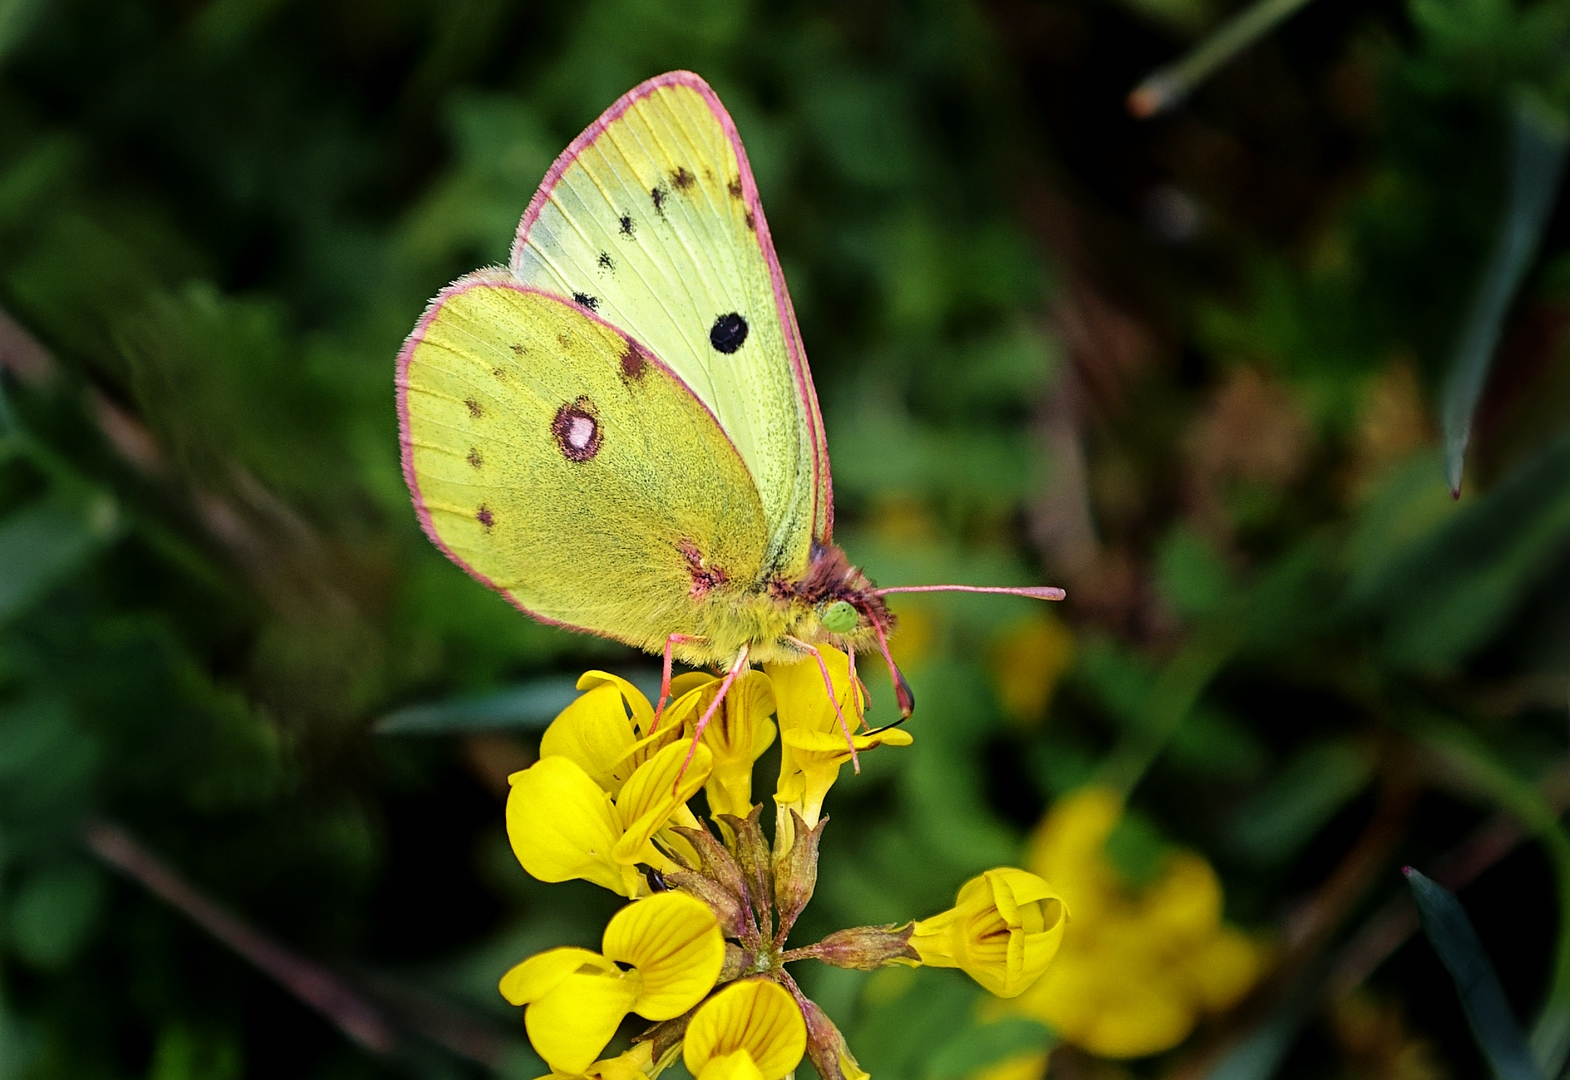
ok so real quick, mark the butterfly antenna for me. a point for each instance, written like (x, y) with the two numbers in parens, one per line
(1035, 592)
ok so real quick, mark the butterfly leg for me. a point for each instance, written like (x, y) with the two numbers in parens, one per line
(665, 675)
(736, 668)
(828, 684)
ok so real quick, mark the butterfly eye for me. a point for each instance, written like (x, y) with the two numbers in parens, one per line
(840, 617)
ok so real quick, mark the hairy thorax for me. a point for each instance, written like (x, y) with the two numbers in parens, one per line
(770, 617)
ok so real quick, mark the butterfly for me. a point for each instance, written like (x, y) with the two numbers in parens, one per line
(618, 430)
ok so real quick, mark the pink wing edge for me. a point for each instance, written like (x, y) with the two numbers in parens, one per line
(500, 277)
(823, 489)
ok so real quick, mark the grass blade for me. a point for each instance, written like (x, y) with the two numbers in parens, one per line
(1539, 138)
(1165, 87)
(1482, 997)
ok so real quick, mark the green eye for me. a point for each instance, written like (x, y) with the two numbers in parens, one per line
(840, 617)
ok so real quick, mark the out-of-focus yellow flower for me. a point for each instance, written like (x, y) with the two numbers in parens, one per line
(1028, 1066)
(1003, 931)
(738, 734)
(575, 998)
(812, 743)
(751, 1030)
(1028, 661)
(563, 825)
(916, 635)
(1139, 967)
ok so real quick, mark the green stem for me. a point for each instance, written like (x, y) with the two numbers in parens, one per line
(1165, 87)
(1172, 696)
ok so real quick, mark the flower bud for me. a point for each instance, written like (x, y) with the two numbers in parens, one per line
(826, 1047)
(796, 872)
(752, 855)
(1003, 931)
(728, 908)
(864, 948)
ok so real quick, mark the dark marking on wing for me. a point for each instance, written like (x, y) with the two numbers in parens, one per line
(474, 408)
(563, 340)
(633, 363)
(728, 333)
(606, 262)
(734, 187)
(590, 302)
(520, 348)
(752, 225)
(659, 194)
(576, 428)
(705, 578)
(474, 459)
(626, 224)
(499, 373)
(484, 516)
(682, 179)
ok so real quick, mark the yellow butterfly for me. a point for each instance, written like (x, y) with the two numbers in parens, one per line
(618, 431)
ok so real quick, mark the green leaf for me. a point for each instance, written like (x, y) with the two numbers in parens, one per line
(52, 914)
(1540, 136)
(1273, 825)
(1482, 997)
(45, 542)
(988, 1044)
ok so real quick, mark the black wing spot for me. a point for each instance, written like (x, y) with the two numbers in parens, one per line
(626, 224)
(590, 302)
(474, 459)
(728, 333)
(519, 349)
(474, 408)
(500, 374)
(683, 179)
(606, 262)
(484, 516)
(752, 225)
(734, 187)
(659, 194)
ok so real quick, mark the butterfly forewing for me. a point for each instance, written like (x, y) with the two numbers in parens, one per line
(651, 220)
(557, 461)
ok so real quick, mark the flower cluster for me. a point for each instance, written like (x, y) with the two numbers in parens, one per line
(1143, 964)
(701, 949)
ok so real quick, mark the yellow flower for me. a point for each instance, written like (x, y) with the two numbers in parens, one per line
(812, 742)
(575, 998)
(563, 825)
(1027, 663)
(635, 1064)
(596, 732)
(738, 734)
(1003, 931)
(1140, 966)
(751, 1030)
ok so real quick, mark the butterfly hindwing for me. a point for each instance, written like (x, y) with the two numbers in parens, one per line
(651, 220)
(561, 463)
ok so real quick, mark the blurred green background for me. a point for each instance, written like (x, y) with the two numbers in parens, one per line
(1198, 369)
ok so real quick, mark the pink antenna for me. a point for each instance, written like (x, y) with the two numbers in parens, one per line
(1035, 592)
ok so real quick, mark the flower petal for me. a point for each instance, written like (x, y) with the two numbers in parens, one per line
(563, 826)
(674, 943)
(593, 732)
(754, 1015)
(540, 974)
(571, 1024)
(637, 704)
(653, 793)
(737, 1066)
